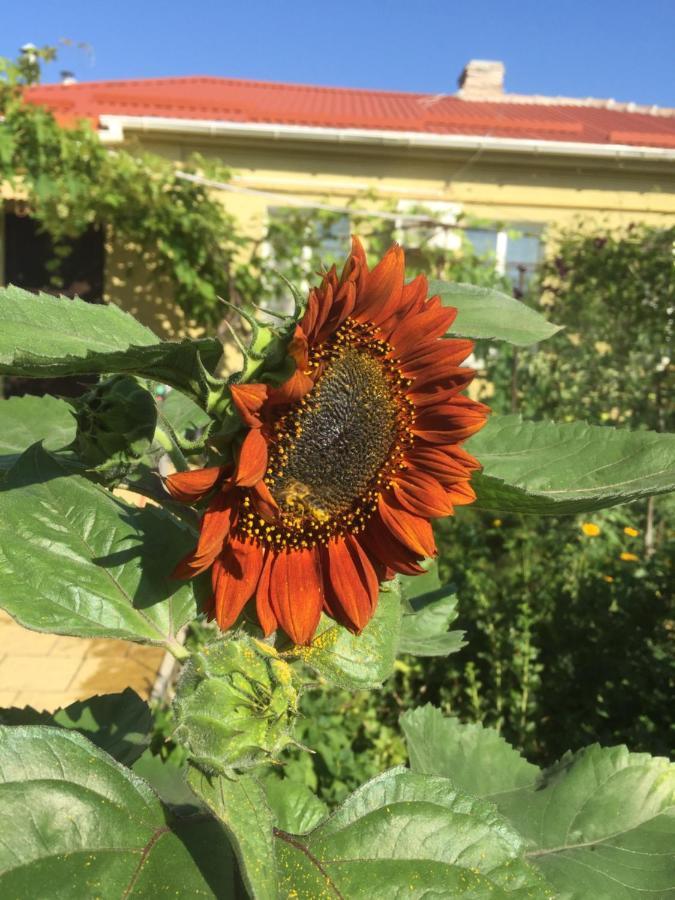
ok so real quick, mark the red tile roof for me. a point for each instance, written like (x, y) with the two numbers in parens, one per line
(230, 100)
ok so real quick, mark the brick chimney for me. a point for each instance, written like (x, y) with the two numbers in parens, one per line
(481, 79)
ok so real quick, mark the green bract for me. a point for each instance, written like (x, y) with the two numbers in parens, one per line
(115, 424)
(235, 705)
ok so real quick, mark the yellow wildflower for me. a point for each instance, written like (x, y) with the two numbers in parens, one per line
(497, 523)
(629, 557)
(608, 578)
(590, 529)
(631, 532)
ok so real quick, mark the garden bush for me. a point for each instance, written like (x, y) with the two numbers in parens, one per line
(97, 800)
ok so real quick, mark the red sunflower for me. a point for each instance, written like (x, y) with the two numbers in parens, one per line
(342, 467)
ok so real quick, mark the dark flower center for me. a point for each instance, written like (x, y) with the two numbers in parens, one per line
(340, 439)
(334, 452)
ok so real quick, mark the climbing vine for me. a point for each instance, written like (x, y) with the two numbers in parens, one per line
(68, 181)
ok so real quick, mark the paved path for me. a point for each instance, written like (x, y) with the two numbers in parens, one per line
(47, 671)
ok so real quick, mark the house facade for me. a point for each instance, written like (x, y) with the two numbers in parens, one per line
(509, 166)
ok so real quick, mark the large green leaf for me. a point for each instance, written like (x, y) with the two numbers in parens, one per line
(78, 824)
(429, 609)
(49, 336)
(26, 420)
(241, 805)
(487, 313)
(424, 630)
(120, 723)
(296, 809)
(477, 759)
(415, 585)
(412, 836)
(539, 467)
(76, 560)
(357, 662)
(600, 823)
(167, 777)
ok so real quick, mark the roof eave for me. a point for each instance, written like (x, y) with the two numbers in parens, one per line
(113, 131)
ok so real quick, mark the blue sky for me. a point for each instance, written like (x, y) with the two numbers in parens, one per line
(578, 48)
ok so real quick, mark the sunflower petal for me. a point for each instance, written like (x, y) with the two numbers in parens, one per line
(436, 461)
(384, 288)
(432, 323)
(263, 502)
(296, 593)
(385, 550)
(266, 618)
(248, 400)
(422, 495)
(450, 423)
(252, 462)
(216, 524)
(414, 532)
(352, 584)
(235, 577)
(188, 487)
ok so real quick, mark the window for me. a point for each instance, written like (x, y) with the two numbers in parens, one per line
(29, 252)
(323, 238)
(431, 224)
(523, 252)
(515, 252)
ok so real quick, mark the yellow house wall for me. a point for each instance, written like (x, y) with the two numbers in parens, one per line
(528, 188)
(506, 188)
(493, 186)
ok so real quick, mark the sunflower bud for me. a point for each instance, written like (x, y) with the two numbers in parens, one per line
(235, 705)
(115, 424)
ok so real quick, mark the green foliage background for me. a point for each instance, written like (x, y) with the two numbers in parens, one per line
(557, 655)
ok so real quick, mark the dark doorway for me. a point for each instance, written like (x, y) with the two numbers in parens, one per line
(28, 250)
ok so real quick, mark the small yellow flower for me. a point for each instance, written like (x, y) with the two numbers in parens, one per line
(590, 529)
(607, 578)
(497, 523)
(631, 532)
(629, 557)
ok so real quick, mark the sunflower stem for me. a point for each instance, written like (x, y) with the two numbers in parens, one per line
(177, 650)
(173, 451)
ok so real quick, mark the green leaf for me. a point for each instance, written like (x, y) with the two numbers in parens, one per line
(486, 313)
(477, 759)
(296, 809)
(182, 414)
(76, 560)
(241, 805)
(424, 631)
(412, 836)
(120, 723)
(84, 826)
(600, 823)
(51, 336)
(416, 585)
(362, 661)
(26, 420)
(167, 777)
(539, 467)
